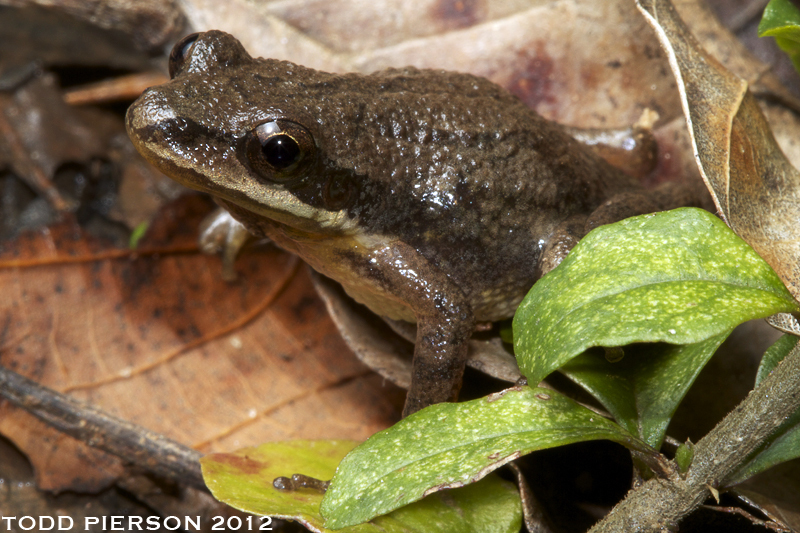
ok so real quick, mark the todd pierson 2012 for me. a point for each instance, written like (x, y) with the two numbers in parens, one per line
(134, 523)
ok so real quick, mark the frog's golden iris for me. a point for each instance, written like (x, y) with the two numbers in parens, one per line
(280, 150)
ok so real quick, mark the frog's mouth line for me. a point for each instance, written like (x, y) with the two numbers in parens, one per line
(282, 206)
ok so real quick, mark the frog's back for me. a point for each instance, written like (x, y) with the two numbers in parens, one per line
(449, 163)
(463, 171)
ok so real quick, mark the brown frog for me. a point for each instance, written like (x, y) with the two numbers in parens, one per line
(433, 197)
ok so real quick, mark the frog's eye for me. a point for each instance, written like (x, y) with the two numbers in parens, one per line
(180, 52)
(280, 149)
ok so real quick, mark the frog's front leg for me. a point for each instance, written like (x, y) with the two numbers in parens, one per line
(222, 234)
(445, 322)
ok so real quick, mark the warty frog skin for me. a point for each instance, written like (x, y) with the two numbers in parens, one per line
(433, 197)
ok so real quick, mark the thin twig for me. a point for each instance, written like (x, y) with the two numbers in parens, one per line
(532, 510)
(114, 89)
(150, 451)
(117, 253)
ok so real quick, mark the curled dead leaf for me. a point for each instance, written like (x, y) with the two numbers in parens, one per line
(754, 186)
(776, 494)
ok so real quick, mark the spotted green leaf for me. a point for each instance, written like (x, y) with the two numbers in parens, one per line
(784, 444)
(450, 445)
(680, 277)
(643, 389)
(243, 479)
(782, 20)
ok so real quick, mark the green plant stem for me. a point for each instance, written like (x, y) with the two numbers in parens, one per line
(660, 503)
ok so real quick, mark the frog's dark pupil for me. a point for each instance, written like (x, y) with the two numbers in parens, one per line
(281, 151)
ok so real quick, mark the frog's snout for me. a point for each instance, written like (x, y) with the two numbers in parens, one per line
(146, 116)
(147, 122)
(134, 121)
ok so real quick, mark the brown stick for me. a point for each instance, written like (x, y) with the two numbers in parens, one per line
(150, 451)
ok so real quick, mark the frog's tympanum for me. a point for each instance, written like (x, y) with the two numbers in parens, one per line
(432, 197)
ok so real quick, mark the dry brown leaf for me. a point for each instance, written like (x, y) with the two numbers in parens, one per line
(589, 63)
(719, 42)
(370, 339)
(41, 37)
(149, 24)
(162, 341)
(755, 188)
(775, 493)
(41, 133)
(51, 129)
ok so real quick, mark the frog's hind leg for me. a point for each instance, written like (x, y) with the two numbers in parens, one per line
(445, 322)
(621, 206)
(669, 195)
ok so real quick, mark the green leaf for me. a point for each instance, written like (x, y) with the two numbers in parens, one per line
(680, 276)
(643, 390)
(506, 331)
(774, 355)
(782, 20)
(784, 444)
(684, 456)
(451, 445)
(243, 479)
(137, 234)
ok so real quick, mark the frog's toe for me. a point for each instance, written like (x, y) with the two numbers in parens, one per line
(222, 234)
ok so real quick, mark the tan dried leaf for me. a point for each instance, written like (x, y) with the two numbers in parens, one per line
(589, 63)
(162, 341)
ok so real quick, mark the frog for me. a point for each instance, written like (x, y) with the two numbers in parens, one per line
(433, 197)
